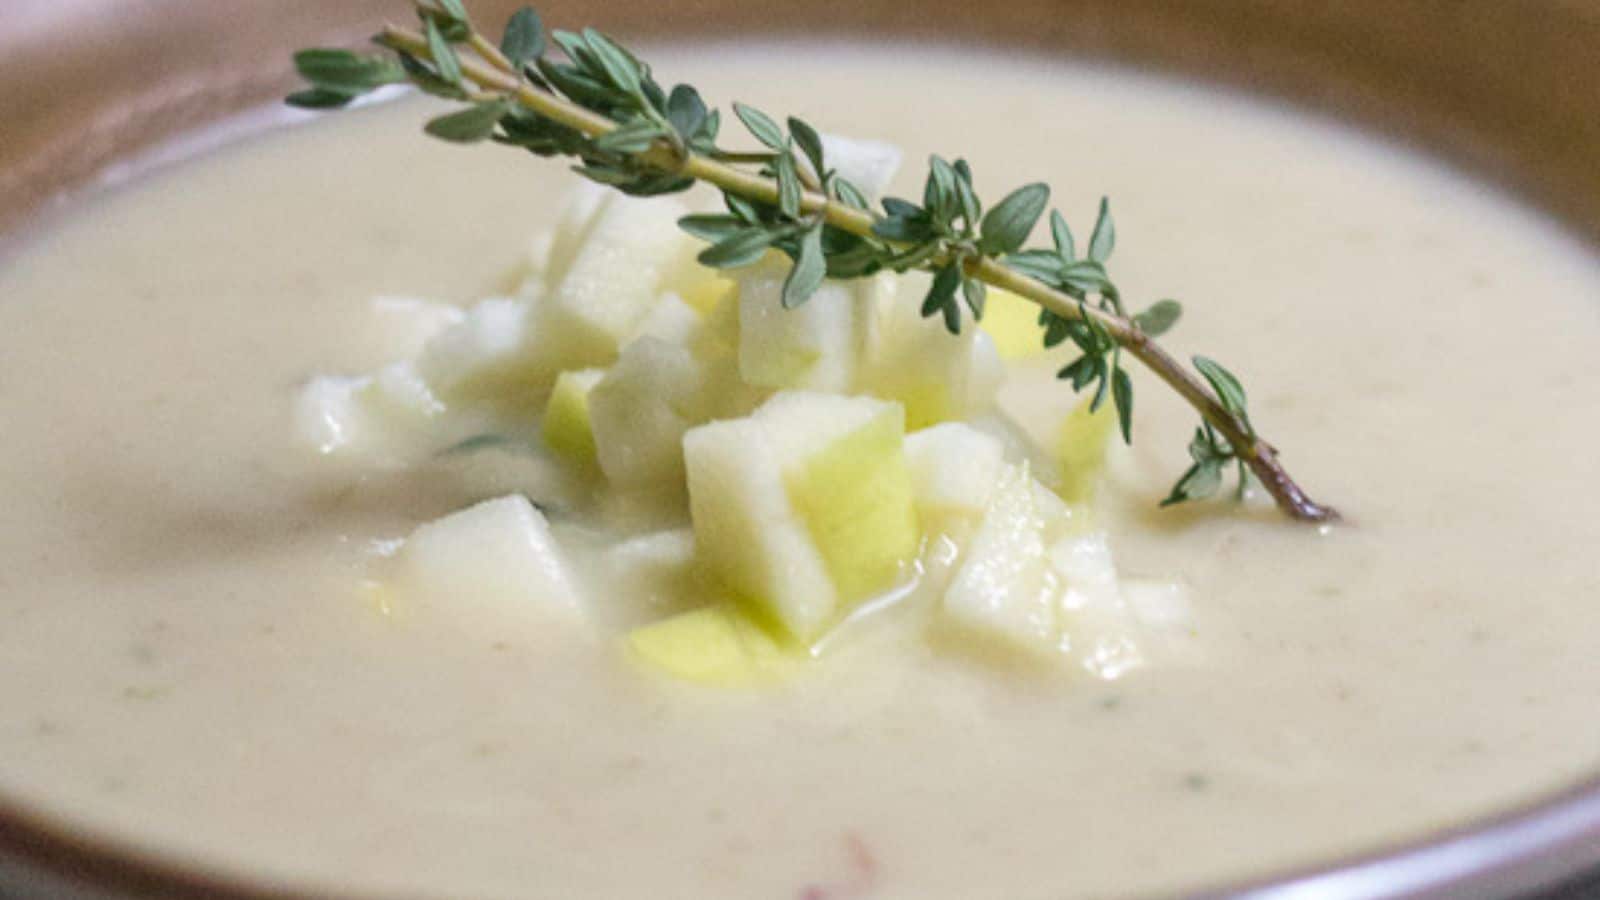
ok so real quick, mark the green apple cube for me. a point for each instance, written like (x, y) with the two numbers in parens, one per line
(567, 428)
(816, 345)
(616, 274)
(937, 376)
(1006, 594)
(492, 569)
(804, 508)
(714, 645)
(1085, 438)
(641, 409)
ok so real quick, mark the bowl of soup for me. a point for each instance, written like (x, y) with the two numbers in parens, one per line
(223, 679)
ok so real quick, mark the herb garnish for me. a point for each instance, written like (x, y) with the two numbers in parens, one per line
(602, 106)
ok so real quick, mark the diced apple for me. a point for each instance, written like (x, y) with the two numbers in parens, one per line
(804, 508)
(1159, 605)
(869, 165)
(1084, 439)
(615, 276)
(567, 428)
(652, 575)
(387, 417)
(845, 466)
(495, 356)
(492, 568)
(937, 376)
(954, 469)
(817, 345)
(671, 320)
(404, 325)
(1006, 594)
(1013, 324)
(748, 536)
(641, 409)
(1100, 630)
(714, 645)
(584, 205)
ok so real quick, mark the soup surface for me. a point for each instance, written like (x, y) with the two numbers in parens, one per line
(189, 667)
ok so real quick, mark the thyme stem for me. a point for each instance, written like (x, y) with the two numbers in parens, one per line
(493, 72)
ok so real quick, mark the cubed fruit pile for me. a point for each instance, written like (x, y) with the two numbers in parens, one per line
(818, 457)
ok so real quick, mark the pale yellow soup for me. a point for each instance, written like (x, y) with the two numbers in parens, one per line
(189, 666)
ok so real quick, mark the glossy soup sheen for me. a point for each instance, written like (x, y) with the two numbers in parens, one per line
(189, 664)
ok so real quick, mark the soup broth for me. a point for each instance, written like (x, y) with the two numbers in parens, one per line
(190, 665)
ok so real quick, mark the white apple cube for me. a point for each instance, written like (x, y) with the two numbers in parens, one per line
(817, 345)
(1100, 630)
(404, 325)
(1159, 605)
(804, 508)
(493, 568)
(495, 356)
(869, 165)
(651, 576)
(671, 320)
(616, 274)
(640, 410)
(954, 469)
(937, 376)
(387, 417)
(1006, 594)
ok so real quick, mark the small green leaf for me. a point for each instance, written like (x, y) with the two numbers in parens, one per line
(942, 297)
(810, 144)
(1198, 483)
(849, 194)
(788, 184)
(318, 98)
(469, 125)
(976, 293)
(971, 209)
(346, 72)
(810, 267)
(686, 111)
(712, 227)
(741, 248)
(632, 136)
(1122, 397)
(1043, 265)
(939, 194)
(618, 64)
(444, 56)
(524, 37)
(760, 124)
(454, 9)
(1061, 234)
(1159, 318)
(1104, 238)
(1007, 225)
(1228, 388)
(428, 81)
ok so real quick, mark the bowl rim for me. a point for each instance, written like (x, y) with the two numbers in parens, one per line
(1536, 844)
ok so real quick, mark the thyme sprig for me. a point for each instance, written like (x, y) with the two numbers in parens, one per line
(600, 105)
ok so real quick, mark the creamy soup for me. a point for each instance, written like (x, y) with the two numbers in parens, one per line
(191, 666)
